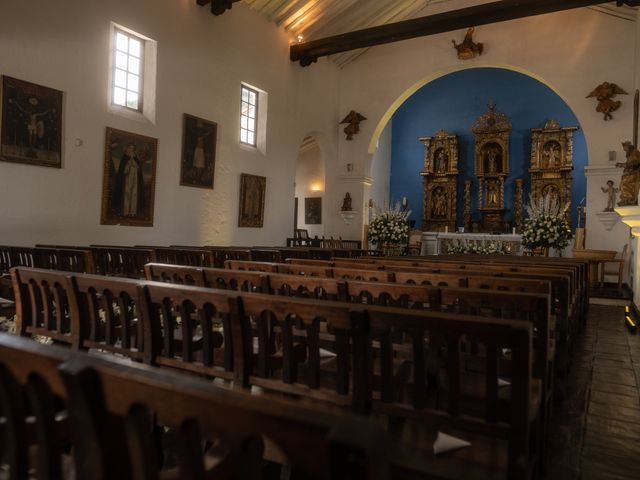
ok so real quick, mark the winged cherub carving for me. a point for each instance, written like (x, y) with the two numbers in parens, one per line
(468, 48)
(352, 120)
(604, 94)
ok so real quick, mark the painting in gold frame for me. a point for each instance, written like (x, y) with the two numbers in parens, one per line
(30, 123)
(129, 178)
(252, 196)
(198, 162)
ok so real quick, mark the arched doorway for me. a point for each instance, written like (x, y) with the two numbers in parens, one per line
(310, 188)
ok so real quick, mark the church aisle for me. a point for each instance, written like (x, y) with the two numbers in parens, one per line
(593, 434)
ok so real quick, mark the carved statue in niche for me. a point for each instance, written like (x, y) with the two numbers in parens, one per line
(439, 203)
(551, 154)
(346, 203)
(492, 131)
(630, 182)
(441, 160)
(440, 181)
(492, 153)
(552, 162)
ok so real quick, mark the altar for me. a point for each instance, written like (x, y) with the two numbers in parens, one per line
(440, 243)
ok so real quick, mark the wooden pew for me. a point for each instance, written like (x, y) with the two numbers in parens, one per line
(112, 405)
(194, 257)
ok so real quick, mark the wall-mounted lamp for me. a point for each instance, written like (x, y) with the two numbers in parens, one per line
(316, 187)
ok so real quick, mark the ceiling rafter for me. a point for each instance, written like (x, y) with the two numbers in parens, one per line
(497, 11)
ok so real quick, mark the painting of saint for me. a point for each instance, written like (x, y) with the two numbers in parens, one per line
(128, 186)
(197, 166)
(252, 198)
(313, 210)
(31, 124)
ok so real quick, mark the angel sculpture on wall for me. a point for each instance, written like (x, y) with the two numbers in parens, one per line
(468, 49)
(604, 94)
(352, 120)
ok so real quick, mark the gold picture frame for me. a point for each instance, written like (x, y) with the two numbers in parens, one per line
(129, 179)
(252, 197)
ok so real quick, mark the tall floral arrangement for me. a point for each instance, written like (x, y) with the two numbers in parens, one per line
(389, 226)
(547, 225)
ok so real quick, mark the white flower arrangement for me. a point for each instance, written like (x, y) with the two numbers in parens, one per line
(389, 226)
(547, 225)
(477, 247)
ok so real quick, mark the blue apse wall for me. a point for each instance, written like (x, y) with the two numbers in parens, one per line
(454, 102)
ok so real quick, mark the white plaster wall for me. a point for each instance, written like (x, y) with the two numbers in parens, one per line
(571, 51)
(310, 183)
(381, 169)
(202, 60)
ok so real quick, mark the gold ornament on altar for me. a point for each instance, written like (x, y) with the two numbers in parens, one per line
(492, 131)
(552, 162)
(630, 182)
(440, 181)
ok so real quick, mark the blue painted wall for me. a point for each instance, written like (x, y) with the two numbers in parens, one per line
(454, 102)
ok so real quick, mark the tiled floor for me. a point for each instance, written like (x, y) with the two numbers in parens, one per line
(595, 432)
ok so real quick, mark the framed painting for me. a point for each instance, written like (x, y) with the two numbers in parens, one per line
(197, 166)
(128, 185)
(313, 210)
(30, 123)
(252, 195)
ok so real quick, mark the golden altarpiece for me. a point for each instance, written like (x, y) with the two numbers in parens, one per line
(552, 162)
(492, 131)
(440, 176)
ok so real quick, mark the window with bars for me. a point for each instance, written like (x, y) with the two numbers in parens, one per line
(249, 116)
(128, 66)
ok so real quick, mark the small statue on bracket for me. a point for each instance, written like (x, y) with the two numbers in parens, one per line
(630, 182)
(604, 93)
(611, 192)
(352, 120)
(346, 203)
(468, 49)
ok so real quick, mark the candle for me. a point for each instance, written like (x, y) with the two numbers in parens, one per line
(404, 201)
(513, 231)
(446, 228)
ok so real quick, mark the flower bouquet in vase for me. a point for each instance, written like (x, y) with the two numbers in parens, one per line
(547, 225)
(389, 229)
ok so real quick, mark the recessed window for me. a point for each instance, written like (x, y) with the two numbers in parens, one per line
(128, 70)
(249, 116)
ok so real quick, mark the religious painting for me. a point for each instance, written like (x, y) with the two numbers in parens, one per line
(128, 185)
(313, 210)
(252, 195)
(197, 166)
(31, 124)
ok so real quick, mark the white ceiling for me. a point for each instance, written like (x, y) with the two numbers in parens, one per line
(313, 19)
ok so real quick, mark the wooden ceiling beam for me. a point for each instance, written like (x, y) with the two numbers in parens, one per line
(499, 11)
(218, 7)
